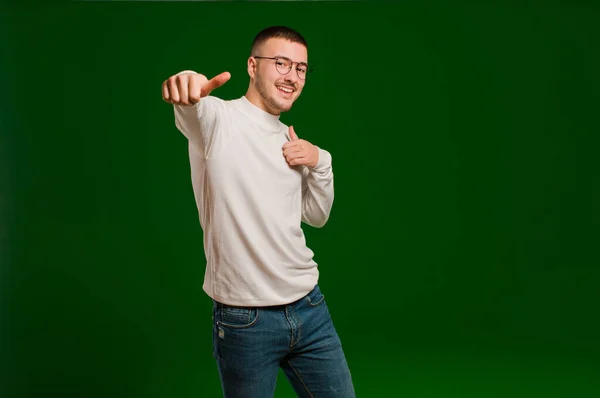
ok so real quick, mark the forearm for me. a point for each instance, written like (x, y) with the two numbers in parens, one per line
(187, 121)
(196, 112)
(198, 122)
(318, 194)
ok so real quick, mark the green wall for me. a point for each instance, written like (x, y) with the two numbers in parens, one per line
(461, 257)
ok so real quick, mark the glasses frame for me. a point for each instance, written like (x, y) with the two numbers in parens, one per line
(308, 70)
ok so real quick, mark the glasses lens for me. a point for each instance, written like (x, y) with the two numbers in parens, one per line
(302, 70)
(283, 65)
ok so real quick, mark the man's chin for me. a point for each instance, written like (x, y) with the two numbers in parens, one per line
(285, 106)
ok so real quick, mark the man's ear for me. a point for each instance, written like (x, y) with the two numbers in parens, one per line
(252, 67)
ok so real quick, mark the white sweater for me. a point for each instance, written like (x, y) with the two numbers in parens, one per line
(251, 202)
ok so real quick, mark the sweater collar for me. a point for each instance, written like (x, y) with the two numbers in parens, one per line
(269, 121)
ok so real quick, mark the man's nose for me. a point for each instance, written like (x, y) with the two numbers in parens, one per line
(290, 77)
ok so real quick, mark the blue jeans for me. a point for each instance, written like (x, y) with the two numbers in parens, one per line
(250, 344)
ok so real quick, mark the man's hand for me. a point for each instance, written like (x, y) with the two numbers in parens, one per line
(300, 152)
(188, 88)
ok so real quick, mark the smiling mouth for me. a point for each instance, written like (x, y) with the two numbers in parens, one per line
(285, 89)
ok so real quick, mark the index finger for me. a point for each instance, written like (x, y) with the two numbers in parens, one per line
(215, 82)
(165, 92)
(291, 144)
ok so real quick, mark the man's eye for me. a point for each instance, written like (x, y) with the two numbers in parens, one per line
(301, 69)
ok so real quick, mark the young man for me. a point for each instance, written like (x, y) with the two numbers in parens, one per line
(254, 183)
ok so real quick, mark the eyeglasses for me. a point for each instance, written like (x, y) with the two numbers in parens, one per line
(284, 66)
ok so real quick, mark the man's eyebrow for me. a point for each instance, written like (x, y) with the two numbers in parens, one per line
(283, 56)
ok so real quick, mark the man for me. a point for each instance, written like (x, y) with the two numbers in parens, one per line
(254, 183)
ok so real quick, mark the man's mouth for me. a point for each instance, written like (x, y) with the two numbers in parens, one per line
(285, 89)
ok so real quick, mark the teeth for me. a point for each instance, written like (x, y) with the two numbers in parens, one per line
(287, 90)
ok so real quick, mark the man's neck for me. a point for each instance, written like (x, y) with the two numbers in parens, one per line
(256, 100)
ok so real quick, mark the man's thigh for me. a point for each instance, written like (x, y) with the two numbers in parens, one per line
(317, 365)
(247, 351)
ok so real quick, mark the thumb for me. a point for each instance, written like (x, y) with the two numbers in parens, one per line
(293, 135)
(215, 82)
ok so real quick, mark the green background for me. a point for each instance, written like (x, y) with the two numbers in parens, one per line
(461, 257)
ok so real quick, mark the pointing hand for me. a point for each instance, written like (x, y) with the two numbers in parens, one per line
(187, 88)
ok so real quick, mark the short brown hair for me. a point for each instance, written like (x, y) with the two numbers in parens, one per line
(279, 32)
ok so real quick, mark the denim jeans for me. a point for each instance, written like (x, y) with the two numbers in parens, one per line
(250, 344)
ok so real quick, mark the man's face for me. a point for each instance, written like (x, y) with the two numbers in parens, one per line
(277, 91)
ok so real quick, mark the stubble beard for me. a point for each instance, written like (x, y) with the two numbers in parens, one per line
(261, 87)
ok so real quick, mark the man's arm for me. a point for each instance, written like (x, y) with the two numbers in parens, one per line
(195, 112)
(317, 191)
(317, 178)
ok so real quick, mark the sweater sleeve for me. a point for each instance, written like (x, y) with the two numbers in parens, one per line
(200, 123)
(317, 188)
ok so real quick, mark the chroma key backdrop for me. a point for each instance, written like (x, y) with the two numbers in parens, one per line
(461, 257)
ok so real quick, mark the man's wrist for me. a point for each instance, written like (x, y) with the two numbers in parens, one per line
(323, 159)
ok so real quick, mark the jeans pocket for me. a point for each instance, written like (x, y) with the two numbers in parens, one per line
(315, 298)
(237, 317)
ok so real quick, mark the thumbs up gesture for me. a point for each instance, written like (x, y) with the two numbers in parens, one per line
(188, 88)
(300, 152)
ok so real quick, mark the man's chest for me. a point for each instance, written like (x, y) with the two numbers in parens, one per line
(256, 161)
